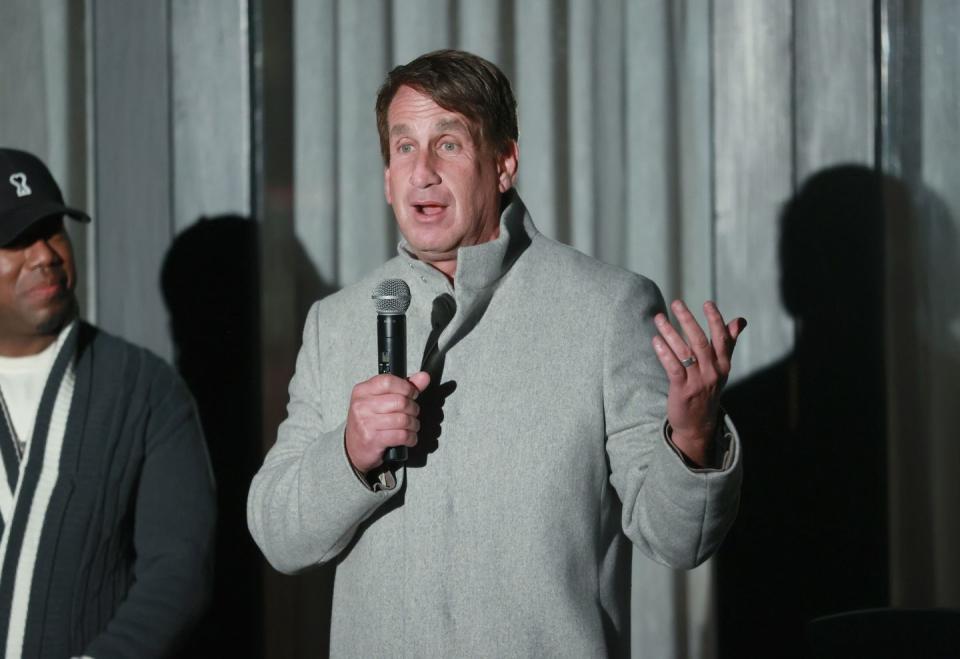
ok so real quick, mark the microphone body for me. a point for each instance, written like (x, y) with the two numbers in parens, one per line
(392, 349)
(391, 298)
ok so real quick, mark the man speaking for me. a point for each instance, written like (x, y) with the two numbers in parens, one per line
(557, 414)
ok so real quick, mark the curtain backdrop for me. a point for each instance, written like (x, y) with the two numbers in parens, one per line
(665, 136)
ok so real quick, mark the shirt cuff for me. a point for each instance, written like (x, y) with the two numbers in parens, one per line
(721, 448)
(377, 480)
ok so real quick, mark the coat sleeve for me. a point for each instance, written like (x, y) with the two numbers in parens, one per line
(174, 522)
(305, 503)
(675, 515)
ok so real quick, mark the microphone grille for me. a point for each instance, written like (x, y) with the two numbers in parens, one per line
(391, 297)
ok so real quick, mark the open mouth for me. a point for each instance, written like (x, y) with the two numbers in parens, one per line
(429, 209)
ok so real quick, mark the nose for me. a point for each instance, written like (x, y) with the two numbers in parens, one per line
(40, 254)
(424, 173)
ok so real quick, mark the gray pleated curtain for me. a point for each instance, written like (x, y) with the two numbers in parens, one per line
(664, 136)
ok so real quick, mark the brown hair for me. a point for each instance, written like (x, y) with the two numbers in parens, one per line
(459, 82)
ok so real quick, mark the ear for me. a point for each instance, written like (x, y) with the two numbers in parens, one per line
(386, 185)
(507, 163)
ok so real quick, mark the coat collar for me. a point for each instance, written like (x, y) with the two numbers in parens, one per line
(480, 268)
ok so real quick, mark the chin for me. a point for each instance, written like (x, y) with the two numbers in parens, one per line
(56, 319)
(422, 244)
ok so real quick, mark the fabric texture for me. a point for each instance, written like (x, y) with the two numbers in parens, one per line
(106, 551)
(505, 533)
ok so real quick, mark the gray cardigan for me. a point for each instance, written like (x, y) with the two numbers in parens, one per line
(505, 533)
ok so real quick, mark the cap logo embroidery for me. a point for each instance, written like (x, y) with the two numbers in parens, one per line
(19, 181)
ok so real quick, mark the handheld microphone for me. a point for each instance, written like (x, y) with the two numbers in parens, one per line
(391, 298)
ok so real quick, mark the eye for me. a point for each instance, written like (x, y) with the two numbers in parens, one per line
(405, 148)
(449, 147)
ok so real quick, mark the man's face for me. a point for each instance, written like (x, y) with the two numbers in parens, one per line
(37, 277)
(444, 188)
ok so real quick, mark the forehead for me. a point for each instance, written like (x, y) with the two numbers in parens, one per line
(413, 111)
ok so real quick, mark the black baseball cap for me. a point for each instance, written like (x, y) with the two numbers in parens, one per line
(28, 194)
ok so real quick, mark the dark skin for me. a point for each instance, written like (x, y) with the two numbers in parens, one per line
(37, 279)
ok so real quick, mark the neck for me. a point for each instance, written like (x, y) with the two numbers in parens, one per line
(16, 344)
(447, 268)
(25, 346)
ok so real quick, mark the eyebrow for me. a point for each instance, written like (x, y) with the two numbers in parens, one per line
(399, 129)
(441, 126)
(449, 124)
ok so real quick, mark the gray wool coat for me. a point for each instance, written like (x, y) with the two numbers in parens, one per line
(542, 451)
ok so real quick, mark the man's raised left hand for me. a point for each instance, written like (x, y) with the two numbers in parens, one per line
(697, 369)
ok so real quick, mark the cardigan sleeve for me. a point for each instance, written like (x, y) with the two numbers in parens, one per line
(174, 520)
(306, 502)
(676, 515)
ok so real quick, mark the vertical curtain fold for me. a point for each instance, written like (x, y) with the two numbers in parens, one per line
(662, 136)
